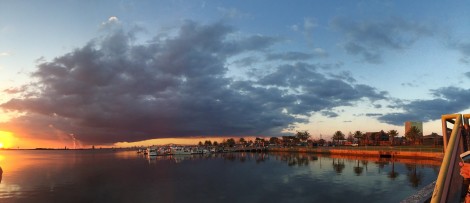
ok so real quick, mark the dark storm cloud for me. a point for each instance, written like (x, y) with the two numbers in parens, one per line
(369, 39)
(111, 90)
(447, 100)
(315, 90)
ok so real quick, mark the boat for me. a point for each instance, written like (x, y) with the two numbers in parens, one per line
(153, 151)
(197, 150)
(161, 151)
(180, 151)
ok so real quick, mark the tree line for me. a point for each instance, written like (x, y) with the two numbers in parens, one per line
(300, 138)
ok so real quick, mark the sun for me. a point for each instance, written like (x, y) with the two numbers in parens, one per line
(6, 139)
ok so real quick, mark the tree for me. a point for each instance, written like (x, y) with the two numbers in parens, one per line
(200, 143)
(358, 135)
(242, 141)
(302, 135)
(393, 134)
(288, 140)
(207, 143)
(321, 142)
(338, 136)
(230, 142)
(215, 143)
(413, 134)
(274, 140)
(259, 141)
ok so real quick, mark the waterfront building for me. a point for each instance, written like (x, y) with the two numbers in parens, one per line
(433, 139)
(418, 125)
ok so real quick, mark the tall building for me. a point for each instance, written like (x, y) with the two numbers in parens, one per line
(417, 124)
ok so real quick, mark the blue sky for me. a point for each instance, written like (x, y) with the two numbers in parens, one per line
(116, 71)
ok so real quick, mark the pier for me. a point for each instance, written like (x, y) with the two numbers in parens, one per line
(449, 186)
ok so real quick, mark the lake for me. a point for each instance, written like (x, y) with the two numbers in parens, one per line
(125, 176)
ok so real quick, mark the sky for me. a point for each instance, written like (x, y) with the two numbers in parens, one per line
(81, 73)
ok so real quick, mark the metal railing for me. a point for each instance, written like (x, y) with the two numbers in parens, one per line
(449, 183)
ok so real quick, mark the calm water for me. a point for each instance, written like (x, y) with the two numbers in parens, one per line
(107, 176)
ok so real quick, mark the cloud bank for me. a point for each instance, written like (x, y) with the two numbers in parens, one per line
(112, 90)
(447, 100)
(370, 39)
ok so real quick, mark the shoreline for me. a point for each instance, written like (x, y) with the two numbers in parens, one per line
(371, 152)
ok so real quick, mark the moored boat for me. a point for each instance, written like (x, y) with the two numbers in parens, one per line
(180, 151)
(153, 151)
(197, 150)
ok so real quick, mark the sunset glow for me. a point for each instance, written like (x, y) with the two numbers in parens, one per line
(6, 139)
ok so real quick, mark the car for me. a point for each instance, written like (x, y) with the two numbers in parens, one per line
(354, 145)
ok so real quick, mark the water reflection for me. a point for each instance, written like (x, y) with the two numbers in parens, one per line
(360, 165)
(393, 174)
(358, 169)
(338, 165)
(87, 175)
(413, 175)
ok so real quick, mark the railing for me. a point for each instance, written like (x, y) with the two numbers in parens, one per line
(449, 183)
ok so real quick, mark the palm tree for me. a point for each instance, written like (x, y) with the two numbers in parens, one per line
(242, 141)
(413, 134)
(338, 136)
(393, 134)
(303, 135)
(358, 135)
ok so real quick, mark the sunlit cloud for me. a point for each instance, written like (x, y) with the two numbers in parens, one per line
(111, 22)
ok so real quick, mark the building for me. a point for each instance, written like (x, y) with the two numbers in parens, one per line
(433, 140)
(418, 125)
